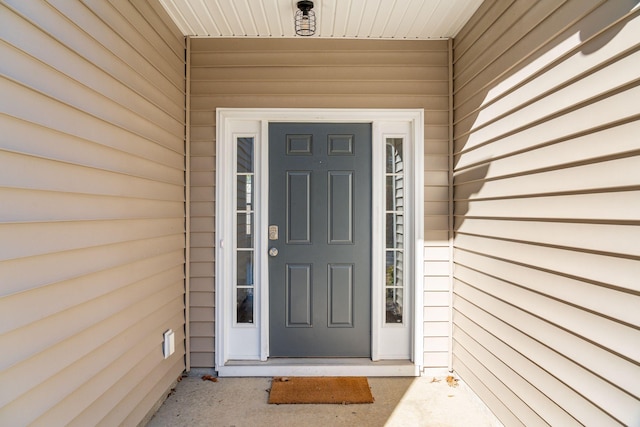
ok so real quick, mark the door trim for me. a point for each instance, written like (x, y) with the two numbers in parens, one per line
(250, 343)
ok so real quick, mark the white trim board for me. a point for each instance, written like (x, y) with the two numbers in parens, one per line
(244, 349)
(320, 367)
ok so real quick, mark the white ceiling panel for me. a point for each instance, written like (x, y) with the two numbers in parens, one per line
(366, 19)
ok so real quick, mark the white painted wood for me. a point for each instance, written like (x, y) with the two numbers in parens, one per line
(241, 342)
(251, 343)
(403, 19)
(315, 368)
(394, 341)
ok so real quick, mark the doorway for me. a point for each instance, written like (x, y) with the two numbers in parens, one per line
(319, 218)
(320, 241)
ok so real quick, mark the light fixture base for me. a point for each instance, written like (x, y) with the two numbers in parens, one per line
(305, 5)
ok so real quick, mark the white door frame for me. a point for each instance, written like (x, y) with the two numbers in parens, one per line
(244, 349)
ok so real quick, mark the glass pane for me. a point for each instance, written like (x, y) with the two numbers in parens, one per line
(389, 191)
(399, 269)
(245, 268)
(244, 309)
(245, 230)
(394, 155)
(394, 268)
(389, 268)
(393, 305)
(245, 155)
(245, 192)
(395, 193)
(394, 230)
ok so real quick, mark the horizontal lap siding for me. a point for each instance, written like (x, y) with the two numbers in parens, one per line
(547, 211)
(319, 74)
(92, 211)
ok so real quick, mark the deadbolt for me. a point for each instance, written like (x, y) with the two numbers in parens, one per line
(273, 252)
(273, 232)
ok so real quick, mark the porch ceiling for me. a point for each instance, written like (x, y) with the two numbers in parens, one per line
(366, 19)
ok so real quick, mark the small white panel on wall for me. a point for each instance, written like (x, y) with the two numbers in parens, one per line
(168, 343)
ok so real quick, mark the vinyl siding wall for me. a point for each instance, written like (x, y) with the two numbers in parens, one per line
(316, 73)
(91, 210)
(547, 211)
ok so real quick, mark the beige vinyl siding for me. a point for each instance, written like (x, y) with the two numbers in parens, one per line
(92, 209)
(315, 73)
(547, 211)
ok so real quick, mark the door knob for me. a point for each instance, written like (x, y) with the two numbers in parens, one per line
(273, 252)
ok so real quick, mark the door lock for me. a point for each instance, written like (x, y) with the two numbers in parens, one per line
(273, 252)
(273, 232)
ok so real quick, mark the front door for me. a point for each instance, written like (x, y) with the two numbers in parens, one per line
(320, 239)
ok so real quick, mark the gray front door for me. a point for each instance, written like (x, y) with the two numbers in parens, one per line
(320, 202)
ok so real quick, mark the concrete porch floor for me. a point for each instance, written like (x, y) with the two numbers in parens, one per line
(238, 402)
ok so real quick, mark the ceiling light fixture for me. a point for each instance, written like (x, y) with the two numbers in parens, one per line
(305, 19)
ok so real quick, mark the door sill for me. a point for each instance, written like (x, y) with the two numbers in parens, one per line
(310, 367)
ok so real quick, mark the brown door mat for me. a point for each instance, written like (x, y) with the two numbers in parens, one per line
(341, 390)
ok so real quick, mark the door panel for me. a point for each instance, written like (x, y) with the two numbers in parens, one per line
(298, 203)
(320, 280)
(340, 203)
(340, 295)
(298, 295)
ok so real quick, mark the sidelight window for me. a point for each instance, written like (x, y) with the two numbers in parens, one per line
(245, 232)
(394, 231)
